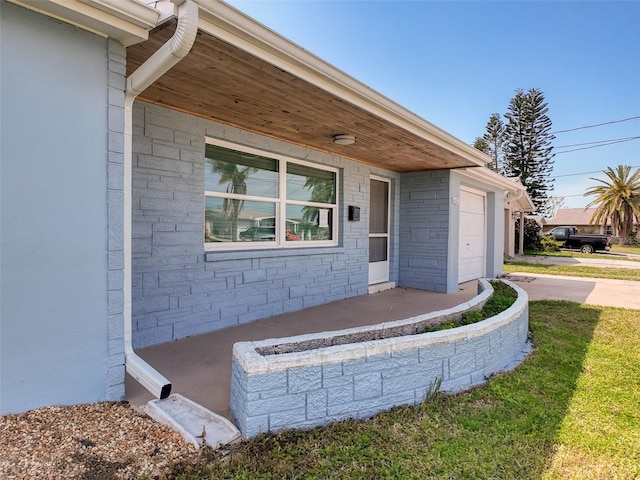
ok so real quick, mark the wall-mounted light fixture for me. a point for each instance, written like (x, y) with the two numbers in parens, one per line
(354, 213)
(344, 139)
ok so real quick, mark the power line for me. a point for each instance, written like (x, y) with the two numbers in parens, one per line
(596, 125)
(599, 141)
(601, 145)
(586, 173)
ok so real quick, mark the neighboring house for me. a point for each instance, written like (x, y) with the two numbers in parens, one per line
(518, 203)
(128, 178)
(578, 217)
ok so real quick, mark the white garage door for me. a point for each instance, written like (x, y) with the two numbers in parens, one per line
(471, 259)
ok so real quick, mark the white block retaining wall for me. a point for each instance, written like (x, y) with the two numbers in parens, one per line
(311, 380)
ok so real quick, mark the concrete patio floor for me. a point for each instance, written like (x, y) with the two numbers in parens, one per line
(199, 367)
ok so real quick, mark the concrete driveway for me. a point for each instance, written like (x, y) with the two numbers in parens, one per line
(591, 291)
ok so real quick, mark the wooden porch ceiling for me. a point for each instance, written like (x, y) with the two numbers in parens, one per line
(221, 82)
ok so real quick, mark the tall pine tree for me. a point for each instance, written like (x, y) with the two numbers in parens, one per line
(494, 138)
(527, 147)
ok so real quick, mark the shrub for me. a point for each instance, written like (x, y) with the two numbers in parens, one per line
(532, 237)
(549, 244)
(502, 298)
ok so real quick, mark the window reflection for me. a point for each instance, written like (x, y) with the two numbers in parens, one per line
(254, 221)
(310, 184)
(245, 202)
(302, 221)
(231, 171)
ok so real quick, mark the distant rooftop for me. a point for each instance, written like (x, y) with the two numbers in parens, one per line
(572, 216)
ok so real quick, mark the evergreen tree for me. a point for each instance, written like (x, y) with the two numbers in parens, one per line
(527, 146)
(481, 144)
(494, 138)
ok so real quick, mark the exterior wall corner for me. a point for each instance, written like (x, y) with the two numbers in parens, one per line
(425, 235)
(116, 67)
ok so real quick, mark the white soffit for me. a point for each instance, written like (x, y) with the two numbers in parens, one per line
(226, 23)
(128, 21)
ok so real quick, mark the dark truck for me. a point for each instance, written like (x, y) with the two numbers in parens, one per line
(585, 243)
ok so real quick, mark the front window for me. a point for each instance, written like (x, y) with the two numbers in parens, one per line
(257, 201)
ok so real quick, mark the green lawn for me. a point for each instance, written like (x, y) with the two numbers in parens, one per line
(574, 270)
(633, 249)
(614, 255)
(570, 411)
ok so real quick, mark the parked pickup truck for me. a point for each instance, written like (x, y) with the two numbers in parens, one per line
(585, 243)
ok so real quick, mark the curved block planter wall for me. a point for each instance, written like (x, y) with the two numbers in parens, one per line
(311, 380)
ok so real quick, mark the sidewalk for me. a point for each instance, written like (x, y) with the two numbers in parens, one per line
(591, 291)
(597, 260)
(200, 366)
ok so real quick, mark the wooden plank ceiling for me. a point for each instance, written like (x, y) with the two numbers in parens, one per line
(221, 82)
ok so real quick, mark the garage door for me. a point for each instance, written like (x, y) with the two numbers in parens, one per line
(471, 259)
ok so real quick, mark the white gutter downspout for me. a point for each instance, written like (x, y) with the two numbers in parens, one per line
(174, 50)
(517, 197)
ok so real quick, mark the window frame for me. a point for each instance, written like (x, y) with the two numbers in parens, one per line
(280, 202)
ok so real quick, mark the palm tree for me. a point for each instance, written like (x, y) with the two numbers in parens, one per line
(236, 180)
(617, 200)
(322, 191)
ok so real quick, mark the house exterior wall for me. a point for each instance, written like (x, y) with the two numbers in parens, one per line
(179, 289)
(495, 233)
(495, 226)
(61, 224)
(59, 300)
(425, 232)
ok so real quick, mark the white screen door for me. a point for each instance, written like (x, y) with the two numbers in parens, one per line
(379, 231)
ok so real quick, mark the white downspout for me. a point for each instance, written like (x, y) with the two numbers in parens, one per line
(517, 197)
(174, 50)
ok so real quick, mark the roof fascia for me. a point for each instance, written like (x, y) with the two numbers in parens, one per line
(493, 178)
(516, 190)
(128, 21)
(228, 24)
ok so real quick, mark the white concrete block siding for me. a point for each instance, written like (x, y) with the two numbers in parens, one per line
(179, 289)
(314, 387)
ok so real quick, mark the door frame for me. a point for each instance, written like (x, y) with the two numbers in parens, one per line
(379, 271)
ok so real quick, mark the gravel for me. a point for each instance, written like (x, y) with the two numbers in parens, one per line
(95, 441)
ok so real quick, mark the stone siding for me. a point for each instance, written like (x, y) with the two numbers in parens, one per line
(116, 67)
(314, 387)
(424, 230)
(179, 289)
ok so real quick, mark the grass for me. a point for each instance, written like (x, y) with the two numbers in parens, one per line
(612, 255)
(574, 270)
(570, 411)
(633, 249)
(502, 298)
(563, 253)
(577, 254)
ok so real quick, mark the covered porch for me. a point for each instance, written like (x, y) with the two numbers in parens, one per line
(199, 367)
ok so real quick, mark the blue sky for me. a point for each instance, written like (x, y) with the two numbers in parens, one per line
(454, 63)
